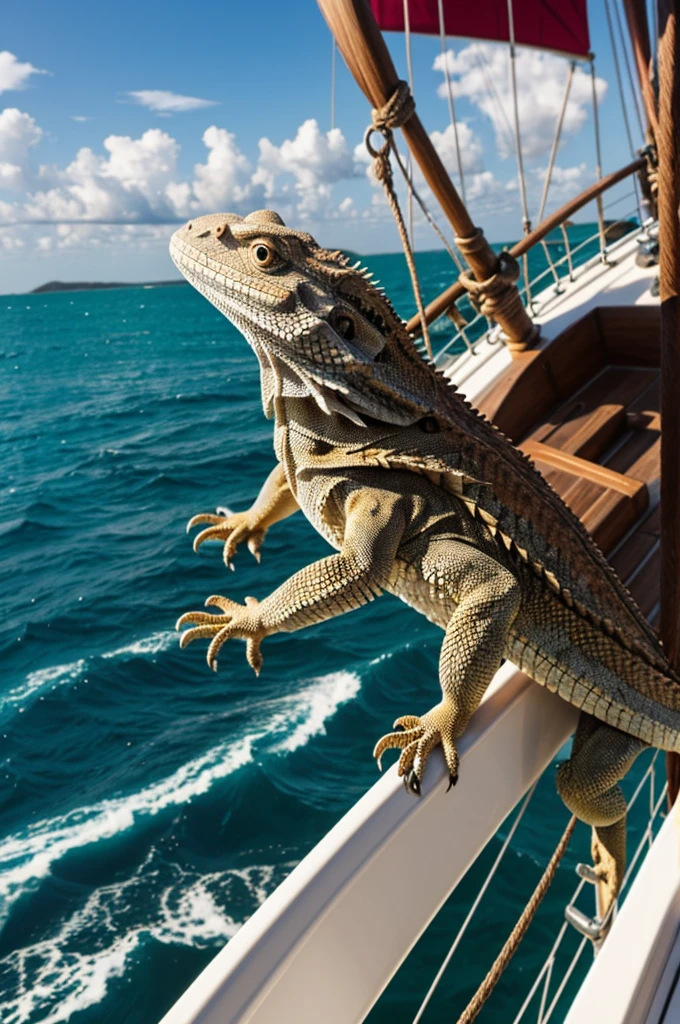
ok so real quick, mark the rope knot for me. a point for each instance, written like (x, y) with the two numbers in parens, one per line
(396, 112)
(496, 297)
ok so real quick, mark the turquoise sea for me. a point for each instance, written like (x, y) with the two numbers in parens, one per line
(149, 806)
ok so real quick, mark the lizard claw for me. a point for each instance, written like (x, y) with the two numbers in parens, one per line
(412, 783)
(232, 528)
(235, 620)
(417, 738)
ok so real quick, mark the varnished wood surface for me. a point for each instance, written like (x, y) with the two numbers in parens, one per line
(585, 408)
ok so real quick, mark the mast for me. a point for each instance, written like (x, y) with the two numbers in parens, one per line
(636, 16)
(361, 44)
(668, 143)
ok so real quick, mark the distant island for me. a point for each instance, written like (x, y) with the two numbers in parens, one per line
(89, 286)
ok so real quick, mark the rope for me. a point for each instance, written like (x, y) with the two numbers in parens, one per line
(449, 93)
(518, 932)
(492, 297)
(393, 114)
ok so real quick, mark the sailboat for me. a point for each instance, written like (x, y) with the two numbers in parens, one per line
(579, 369)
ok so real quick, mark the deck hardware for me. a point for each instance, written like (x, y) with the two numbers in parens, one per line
(586, 872)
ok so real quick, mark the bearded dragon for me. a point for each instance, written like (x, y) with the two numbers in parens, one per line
(422, 497)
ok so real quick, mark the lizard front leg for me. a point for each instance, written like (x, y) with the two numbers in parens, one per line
(487, 596)
(274, 503)
(374, 524)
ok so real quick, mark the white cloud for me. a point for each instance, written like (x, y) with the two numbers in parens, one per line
(481, 72)
(13, 73)
(18, 133)
(470, 149)
(314, 159)
(79, 117)
(163, 102)
(128, 186)
(224, 179)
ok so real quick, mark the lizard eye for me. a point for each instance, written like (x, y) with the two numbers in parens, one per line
(262, 254)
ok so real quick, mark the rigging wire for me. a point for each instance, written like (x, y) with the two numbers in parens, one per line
(449, 93)
(598, 158)
(556, 141)
(483, 65)
(551, 165)
(619, 80)
(333, 56)
(634, 86)
(409, 66)
(526, 222)
(473, 908)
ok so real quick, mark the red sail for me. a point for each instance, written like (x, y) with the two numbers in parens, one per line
(558, 25)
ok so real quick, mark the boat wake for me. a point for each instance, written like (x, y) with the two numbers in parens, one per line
(287, 723)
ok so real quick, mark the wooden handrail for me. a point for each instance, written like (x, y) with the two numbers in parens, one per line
(456, 291)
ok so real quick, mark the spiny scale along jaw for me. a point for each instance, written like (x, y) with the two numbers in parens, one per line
(318, 327)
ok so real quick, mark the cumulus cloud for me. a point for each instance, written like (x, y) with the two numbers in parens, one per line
(18, 133)
(136, 180)
(164, 102)
(481, 72)
(470, 145)
(315, 161)
(14, 74)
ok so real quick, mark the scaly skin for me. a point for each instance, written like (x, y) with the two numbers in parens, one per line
(423, 498)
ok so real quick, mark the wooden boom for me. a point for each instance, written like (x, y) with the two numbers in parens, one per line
(365, 52)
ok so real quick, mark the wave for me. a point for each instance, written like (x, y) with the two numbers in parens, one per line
(38, 680)
(71, 969)
(154, 644)
(27, 857)
(62, 675)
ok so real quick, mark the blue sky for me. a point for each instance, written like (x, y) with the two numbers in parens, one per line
(182, 112)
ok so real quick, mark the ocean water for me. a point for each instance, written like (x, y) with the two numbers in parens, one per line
(148, 805)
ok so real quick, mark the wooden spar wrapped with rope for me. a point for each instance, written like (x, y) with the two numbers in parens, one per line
(361, 44)
(668, 143)
(636, 16)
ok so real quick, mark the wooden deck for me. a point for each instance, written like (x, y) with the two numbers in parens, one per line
(586, 410)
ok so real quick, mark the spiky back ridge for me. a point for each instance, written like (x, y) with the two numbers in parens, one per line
(515, 500)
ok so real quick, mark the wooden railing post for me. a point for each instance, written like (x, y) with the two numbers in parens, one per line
(636, 16)
(668, 143)
(361, 44)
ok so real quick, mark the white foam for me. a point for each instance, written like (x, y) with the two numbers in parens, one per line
(62, 675)
(42, 678)
(317, 704)
(153, 644)
(52, 979)
(27, 857)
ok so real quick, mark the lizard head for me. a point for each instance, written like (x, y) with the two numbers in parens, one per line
(318, 326)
